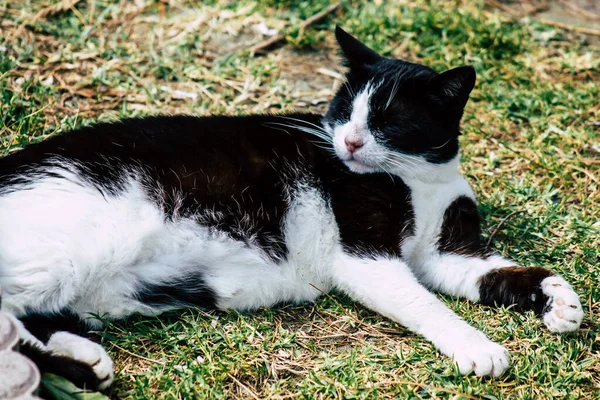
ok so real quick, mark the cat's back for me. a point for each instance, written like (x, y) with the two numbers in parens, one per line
(166, 140)
(206, 160)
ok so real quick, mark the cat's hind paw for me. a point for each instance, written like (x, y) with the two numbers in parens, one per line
(84, 350)
(563, 312)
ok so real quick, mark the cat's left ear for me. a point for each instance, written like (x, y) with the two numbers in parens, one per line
(455, 85)
(356, 53)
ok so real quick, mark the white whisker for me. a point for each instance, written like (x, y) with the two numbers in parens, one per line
(395, 88)
(318, 133)
(439, 147)
(349, 89)
(303, 121)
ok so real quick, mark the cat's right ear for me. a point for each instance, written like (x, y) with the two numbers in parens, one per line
(454, 86)
(356, 53)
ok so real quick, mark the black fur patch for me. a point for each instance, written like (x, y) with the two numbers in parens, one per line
(374, 214)
(461, 231)
(518, 286)
(42, 326)
(79, 373)
(188, 291)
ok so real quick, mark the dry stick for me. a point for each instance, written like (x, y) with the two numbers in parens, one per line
(137, 355)
(582, 12)
(590, 305)
(586, 172)
(588, 112)
(531, 9)
(489, 242)
(50, 10)
(246, 388)
(502, 7)
(359, 322)
(588, 31)
(309, 21)
(329, 297)
(355, 319)
(541, 6)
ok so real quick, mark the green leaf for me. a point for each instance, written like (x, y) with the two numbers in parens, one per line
(61, 389)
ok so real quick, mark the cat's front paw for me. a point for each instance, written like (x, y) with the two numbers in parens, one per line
(563, 311)
(479, 354)
(86, 351)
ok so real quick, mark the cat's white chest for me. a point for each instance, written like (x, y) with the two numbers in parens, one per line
(430, 201)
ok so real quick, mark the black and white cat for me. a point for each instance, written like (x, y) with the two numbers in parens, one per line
(159, 213)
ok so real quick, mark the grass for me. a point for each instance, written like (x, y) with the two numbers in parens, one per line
(529, 144)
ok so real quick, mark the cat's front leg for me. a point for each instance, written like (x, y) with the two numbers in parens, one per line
(388, 286)
(496, 281)
(449, 255)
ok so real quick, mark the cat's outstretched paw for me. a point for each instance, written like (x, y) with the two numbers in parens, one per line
(479, 354)
(563, 311)
(476, 353)
(86, 351)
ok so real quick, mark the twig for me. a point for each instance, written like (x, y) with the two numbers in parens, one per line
(590, 305)
(137, 355)
(503, 7)
(309, 21)
(332, 299)
(580, 11)
(246, 388)
(348, 314)
(430, 387)
(586, 172)
(50, 10)
(526, 7)
(489, 242)
(588, 31)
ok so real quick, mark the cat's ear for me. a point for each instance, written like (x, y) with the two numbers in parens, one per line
(357, 54)
(455, 85)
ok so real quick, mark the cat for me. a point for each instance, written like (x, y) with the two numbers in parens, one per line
(160, 213)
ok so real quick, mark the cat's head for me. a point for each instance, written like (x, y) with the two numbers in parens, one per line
(393, 115)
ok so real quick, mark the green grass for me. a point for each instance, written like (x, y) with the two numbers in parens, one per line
(528, 146)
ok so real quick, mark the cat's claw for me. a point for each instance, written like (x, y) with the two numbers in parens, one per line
(86, 351)
(564, 312)
(482, 356)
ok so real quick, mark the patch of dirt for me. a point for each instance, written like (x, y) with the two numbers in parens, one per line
(580, 16)
(315, 75)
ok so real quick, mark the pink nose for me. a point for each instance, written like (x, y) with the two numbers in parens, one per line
(353, 145)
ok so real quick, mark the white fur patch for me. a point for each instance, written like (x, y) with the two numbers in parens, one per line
(86, 351)
(565, 313)
(64, 236)
(363, 160)
(259, 282)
